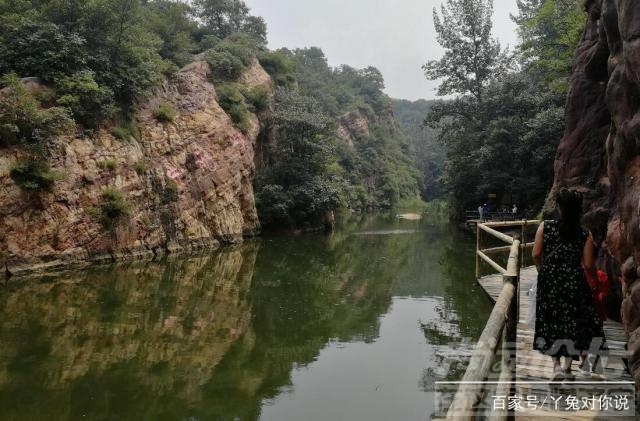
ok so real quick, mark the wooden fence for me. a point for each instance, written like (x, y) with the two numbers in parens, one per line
(501, 326)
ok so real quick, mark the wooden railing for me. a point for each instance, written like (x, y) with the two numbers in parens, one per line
(474, 215)
(502, 324)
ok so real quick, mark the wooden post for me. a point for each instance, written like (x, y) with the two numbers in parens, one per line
(523, 241)
(510, 334)
(477, 250)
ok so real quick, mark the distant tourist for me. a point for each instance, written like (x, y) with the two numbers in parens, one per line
(481, 213)
(514, 211)
(566, 321)
(485, 212)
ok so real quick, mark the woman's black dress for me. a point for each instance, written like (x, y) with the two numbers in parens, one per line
(566, 320)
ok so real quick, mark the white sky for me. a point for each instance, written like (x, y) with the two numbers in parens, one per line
(396, 36)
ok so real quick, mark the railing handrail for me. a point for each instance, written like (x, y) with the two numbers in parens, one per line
(503, 320)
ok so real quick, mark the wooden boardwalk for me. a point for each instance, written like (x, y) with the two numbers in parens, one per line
(533, 370)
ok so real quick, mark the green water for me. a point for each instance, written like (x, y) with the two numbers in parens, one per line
(353, 326)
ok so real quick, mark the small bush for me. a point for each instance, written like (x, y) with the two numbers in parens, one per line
(33, 176)
(208, 42)
(170, 192)
(141, 167)
(258, 97)
(23, 121)
(230, 57)
(126, 125)
(113, 208)
(279, 66)
(224, 66)
(241, 46)
(121, 133)
(233, 102)
(164, 113)
(89, 102)
(108, 165)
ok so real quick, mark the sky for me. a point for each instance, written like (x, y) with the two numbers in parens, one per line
(396, 36)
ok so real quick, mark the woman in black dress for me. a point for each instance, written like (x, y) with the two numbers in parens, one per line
(567, 324)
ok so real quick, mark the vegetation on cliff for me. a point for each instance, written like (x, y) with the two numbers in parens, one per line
(312, 170)
(94, 61)
(429, 154)
(502, 129)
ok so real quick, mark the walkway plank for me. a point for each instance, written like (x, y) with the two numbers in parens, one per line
(532, 366)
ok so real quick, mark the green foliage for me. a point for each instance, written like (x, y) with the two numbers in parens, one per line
(33, 175)
(41, 49)
(503, 141)
(258, 97)
(223, 18)
(141, 167)
(429, 154)
(233, 102)
(297, 190)
(224, 66)
(239, 45)
(280, 67)
(171, 21)
(169, 192)
(108, 165)
(96, 52)
(164, 113)
(550, 31)
(89, 102)
(472, 58)
(231, 57)
(121, 133)
(24, 122)
(376, 171)
(113, 207)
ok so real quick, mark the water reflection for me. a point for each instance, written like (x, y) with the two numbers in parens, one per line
(226, 336)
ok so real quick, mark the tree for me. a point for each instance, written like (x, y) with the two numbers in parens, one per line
(172, 22)
(549, 31)
(472, 58)
(44, 50)
(500, 135)
(297, 189)
(226, 17)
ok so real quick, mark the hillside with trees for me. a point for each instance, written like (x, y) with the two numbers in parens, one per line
(94, 62)
(428, 152)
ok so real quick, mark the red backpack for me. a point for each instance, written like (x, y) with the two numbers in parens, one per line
(599, 289)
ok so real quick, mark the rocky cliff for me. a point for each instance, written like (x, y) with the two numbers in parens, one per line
(600, 151)
(188, 183)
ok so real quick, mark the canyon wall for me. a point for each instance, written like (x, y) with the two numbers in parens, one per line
(600, 151)
(187, 182)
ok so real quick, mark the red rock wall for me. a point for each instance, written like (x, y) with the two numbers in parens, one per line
(600, 151)
(188, 183)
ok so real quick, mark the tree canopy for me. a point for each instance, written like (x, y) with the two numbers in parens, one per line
(501, 129)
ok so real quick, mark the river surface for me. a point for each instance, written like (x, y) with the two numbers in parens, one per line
(353, 326)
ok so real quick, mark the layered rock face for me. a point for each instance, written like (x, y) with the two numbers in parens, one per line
(600, 151)
(188, 183)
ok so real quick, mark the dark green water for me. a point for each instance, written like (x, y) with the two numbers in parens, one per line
(354, 326)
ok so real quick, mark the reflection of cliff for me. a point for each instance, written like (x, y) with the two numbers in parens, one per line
(307, 292)
(212, 338)
(149, 330)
